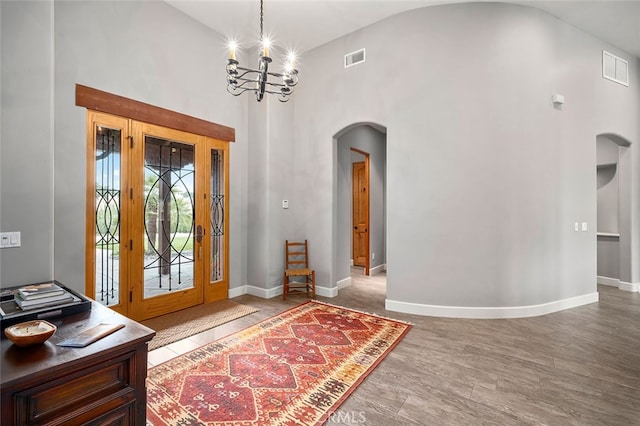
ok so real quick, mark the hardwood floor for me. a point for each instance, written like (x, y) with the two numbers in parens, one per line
(576, 367)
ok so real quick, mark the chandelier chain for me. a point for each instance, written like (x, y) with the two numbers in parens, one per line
(261, 20)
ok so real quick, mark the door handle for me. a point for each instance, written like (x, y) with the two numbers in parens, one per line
(199, 233)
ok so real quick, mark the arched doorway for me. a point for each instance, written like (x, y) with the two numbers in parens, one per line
(359, 143)
(614, 217)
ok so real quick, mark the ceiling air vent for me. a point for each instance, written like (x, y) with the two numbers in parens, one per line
(614, 68)
(354, 58)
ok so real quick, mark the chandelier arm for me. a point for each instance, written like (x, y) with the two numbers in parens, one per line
(246, 71)
(280, 75)
(244, 79)
(278, 93)
(276, 84)
(246, 84)
(291, 77)
(235, 91)
(282, 84)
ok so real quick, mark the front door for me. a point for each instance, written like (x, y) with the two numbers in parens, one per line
(168, 220)
(160, 234)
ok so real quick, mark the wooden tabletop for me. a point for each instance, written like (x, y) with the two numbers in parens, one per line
(34, 361)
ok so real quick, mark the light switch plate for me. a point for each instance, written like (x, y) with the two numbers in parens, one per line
(9, 239)
(584, 226)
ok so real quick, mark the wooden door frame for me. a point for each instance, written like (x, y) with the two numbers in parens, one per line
(367, 215)
(109, 103)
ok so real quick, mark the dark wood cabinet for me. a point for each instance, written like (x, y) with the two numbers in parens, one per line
(101, 384)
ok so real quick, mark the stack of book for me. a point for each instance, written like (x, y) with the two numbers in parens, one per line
(41, 295)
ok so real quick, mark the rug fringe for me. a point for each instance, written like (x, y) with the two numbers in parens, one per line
(373, 314)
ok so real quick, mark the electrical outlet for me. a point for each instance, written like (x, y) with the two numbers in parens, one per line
(584, 226)
(285, 204)
(373, 256)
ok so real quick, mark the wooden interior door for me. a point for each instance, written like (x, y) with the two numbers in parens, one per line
(361, 214)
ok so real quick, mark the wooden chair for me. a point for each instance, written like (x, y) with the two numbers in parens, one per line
(296, 259)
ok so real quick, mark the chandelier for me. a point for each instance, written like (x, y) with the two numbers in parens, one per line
(241, 79)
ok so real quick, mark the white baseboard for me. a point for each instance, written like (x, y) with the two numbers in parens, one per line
(490, 313)
(277, 291)
(621, 285)
(344, 283)
(326, 291)
(633, 287)
(265, 293)
(613, 282)
(237, 291)
(377, 269)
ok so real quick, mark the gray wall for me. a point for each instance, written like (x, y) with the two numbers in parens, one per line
(26, 140)
(270, 180)
(146, 51)
(372, 141)
(485, 178)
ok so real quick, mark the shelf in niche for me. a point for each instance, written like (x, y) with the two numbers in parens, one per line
(608, 234)
(606, 165)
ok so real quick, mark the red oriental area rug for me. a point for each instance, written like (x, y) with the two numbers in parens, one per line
(293, 369)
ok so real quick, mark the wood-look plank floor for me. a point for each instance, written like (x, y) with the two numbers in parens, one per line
(580, 366)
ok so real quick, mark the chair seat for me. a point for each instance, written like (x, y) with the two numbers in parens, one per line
(297, 272)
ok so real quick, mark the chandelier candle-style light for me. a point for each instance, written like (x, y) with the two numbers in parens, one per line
(241, 79)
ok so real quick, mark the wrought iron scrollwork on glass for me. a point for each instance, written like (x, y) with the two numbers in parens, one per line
(169, 209)
(217, 215)
(107, 214)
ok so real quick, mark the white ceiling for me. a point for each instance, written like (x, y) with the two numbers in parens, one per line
(304, 24)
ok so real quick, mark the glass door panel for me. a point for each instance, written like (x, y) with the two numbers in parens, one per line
(105, 235)
(217, 247)
(107, 215)
(169, 213)
(216, 217)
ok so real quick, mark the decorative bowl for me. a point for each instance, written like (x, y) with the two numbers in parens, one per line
(30, 333)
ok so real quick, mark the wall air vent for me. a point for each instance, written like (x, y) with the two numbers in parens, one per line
(615, 69)
(354, 58)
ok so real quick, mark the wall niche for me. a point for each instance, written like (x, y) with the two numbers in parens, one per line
(608, 204)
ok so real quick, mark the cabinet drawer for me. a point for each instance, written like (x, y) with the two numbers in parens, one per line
(121, 416)
(82, 390)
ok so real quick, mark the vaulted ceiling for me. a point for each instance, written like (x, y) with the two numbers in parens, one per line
(304, 24)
